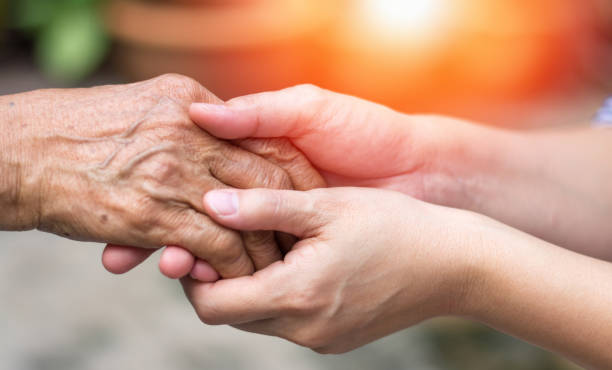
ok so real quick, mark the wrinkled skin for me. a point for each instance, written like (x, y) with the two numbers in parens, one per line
(125, 165)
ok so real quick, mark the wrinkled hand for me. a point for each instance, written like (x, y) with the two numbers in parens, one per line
(368, 263)
(125, 165)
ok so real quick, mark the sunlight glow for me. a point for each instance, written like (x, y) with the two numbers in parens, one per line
(417, 19)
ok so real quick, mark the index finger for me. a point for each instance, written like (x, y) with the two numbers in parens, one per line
(284, 113)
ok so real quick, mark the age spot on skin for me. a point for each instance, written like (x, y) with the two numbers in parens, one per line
(104, 219)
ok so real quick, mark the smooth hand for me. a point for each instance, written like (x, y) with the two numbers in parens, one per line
(368, 263)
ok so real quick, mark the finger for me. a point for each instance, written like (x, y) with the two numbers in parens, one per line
(284, 113)
(222, 248)
(176, 262)
(204, 272)
(241, 300)
(245, 170)
(119, 259)
(282, 153)
(261, 246)
(288, 211)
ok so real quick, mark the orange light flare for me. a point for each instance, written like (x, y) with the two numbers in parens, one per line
(411, 22)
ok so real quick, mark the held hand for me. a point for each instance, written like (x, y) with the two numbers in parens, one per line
(177, 262)
(125, 164)
(368, 263)
(351, 141)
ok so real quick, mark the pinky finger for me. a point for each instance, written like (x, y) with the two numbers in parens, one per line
(119, 259)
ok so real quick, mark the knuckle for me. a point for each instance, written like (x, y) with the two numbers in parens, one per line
(309, 91)
(258, 238)
(302, 301)
(312, 96)
(227, 254)
(261, 247)
(310, 337)
(277, 179)
(162, 170)
(208, 315)
(224, 246)
(172, 84)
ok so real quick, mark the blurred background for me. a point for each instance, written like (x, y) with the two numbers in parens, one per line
(520, 64)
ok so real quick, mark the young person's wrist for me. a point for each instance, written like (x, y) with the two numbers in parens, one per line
(471, 162)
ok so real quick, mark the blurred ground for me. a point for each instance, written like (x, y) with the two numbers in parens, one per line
(59, 309)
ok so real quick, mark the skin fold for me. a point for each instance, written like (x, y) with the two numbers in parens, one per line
(126, 165)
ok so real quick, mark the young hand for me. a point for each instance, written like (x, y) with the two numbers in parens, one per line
(368, 263)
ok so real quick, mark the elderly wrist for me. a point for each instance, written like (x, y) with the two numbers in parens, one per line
(18, 212)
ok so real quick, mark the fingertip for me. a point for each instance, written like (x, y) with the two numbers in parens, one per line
(204, 272)
(176, 262)
(221, 203)
(223, 121)
(118, 259)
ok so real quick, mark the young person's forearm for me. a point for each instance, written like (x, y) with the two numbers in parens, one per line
(555, 185)
(544, 294)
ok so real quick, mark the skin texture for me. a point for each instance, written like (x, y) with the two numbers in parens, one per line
(124, 164)
(372, 262)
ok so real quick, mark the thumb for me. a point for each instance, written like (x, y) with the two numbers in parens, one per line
(284, 113)
(292, 212)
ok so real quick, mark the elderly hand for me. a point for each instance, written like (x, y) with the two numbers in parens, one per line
(126, 165)
(368, 263)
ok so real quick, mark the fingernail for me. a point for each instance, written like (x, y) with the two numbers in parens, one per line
(211, 108)
(223, 202)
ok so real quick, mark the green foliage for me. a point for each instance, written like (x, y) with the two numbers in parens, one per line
(69, 35)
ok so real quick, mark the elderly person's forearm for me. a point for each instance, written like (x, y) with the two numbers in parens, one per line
(16, 199)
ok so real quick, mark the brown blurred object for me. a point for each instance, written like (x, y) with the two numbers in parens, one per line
(232, 47)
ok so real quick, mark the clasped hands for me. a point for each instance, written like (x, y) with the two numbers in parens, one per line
(368, 261)
(322, 218)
